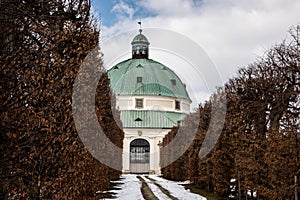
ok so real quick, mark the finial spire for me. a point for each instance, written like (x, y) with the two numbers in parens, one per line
(140, 23)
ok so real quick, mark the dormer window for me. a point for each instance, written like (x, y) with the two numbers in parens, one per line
(139, 79)
(173, 81)
(138, 119)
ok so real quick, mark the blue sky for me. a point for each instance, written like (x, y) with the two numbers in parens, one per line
(110, 16)
(104, 8)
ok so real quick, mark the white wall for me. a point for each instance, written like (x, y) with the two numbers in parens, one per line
(153, 103)
(153, 136)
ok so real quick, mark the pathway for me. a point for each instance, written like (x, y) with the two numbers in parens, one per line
(151, 187)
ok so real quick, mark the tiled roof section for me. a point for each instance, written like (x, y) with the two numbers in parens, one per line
(157, 79)
(153, 89)
(150, 119)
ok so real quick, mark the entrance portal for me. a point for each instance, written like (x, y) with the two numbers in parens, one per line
(139, 156)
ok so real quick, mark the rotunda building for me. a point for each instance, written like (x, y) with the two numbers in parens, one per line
(152, 99)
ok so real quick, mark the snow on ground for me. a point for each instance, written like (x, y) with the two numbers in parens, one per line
(176, 189)
(130, 189)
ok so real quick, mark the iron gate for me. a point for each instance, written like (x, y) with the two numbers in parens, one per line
(139, 156)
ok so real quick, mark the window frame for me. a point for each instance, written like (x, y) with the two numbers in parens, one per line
(139, 79)
(177, 105)
(173, 81)
(137, 105)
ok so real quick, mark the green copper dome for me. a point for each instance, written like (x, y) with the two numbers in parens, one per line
(140, 38)
(145, 77)
(141, 76)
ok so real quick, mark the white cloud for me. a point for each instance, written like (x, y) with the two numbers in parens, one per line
(232, 32)
(123, 10)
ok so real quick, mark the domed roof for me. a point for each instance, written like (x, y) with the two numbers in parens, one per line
(145, 77)
(140, 38)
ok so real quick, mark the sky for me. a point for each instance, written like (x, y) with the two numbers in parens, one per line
(232, 33)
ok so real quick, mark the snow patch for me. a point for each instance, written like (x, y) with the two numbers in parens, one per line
(176, 189)
(130, 189)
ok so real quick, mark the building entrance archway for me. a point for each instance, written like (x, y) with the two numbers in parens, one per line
(139, 156)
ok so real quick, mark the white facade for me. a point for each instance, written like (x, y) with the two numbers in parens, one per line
(153, 103)
(154, 137)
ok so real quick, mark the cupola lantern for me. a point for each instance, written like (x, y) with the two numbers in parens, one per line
(140, 46)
